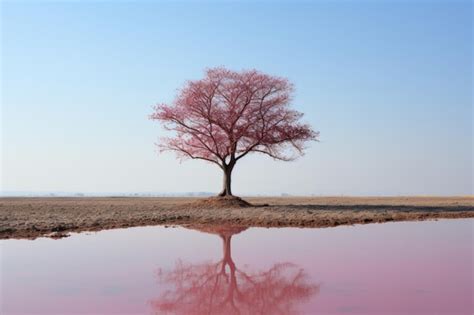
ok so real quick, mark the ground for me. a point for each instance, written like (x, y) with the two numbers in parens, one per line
(54, 217)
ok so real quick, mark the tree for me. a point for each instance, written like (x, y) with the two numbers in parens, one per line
(227, 115)
(223, 288)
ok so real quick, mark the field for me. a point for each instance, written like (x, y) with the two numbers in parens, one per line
(55, 217)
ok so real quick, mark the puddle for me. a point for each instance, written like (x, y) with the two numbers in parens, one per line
(391, 268)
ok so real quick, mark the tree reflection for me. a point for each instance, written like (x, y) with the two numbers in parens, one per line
(222, 288)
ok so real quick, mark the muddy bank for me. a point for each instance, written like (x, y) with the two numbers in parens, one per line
(55, 217)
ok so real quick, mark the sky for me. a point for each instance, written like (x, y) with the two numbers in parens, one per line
(387, 83)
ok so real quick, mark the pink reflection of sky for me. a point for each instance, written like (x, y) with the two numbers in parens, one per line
(392, 268)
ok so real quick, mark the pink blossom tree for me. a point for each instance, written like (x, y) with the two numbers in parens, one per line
(227, 115)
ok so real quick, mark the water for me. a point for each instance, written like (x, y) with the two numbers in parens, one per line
(391, 268)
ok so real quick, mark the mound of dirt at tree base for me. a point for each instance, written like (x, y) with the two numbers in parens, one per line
(221, 202)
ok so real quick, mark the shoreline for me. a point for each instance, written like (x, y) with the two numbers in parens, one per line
(32, 217)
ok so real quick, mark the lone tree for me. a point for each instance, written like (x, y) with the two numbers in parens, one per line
(227, 115)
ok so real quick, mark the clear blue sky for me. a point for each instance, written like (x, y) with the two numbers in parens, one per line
(388, 85)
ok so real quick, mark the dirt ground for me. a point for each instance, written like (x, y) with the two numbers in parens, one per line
(55, 217)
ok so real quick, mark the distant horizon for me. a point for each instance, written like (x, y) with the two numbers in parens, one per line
(5, 194)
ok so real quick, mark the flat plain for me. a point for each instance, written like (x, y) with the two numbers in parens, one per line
(27, 217)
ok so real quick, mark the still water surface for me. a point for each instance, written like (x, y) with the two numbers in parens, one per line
(391, 268)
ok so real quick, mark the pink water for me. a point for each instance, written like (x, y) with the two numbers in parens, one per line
(391, 268)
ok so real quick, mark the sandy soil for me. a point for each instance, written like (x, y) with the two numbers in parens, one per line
(55, 217)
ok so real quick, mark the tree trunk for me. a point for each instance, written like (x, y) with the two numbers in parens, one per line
(226, 188)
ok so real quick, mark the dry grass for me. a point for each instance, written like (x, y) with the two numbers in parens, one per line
(34, 217)
(220, 203)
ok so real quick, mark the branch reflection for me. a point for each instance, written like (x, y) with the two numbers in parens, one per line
(222, 288)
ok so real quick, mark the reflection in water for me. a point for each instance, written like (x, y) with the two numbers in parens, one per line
(222, 288)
